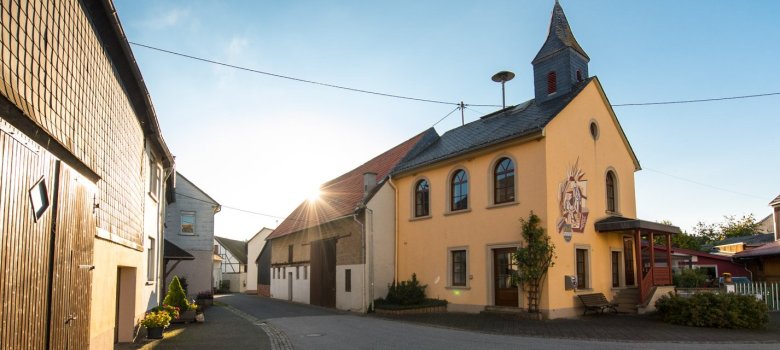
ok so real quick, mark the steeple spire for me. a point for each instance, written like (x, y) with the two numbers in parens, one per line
(561, 62)
(559, 36)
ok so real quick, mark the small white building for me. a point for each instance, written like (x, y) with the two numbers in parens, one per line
(233, 264)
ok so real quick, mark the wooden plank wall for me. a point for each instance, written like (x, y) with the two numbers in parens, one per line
(25, 252)
(24, 247)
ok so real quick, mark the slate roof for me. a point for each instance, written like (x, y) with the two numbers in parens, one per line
(174, 252)
(772, 248)
(341, 196)
(775, 201)
(747, 240)
(237, 248)
(509, 123)
(559, 37)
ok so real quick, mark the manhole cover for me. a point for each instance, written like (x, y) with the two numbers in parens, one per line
(315, 335)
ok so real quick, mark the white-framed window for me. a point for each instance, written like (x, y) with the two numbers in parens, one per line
(154, 179)
(151, 268)
(187, 223)
(458, 267)
(582, 266)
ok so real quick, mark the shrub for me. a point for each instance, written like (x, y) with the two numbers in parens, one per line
(716, 310)
(383, 304)
(406, 292)
(176, 297)
(690, 278)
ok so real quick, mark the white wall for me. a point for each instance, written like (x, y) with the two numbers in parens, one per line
(254, 247)
(380, 242)
(193, 270)
(280, 286)
(352, 300)
(237, 281)
(154, 213)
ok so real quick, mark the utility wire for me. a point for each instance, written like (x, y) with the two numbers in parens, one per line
(445, 117)
(696, 101)
(704, 184)
(296, 79)
(229, 207)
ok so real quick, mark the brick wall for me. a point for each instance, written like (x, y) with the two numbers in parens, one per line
(55, 69)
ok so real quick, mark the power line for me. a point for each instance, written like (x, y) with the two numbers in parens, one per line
(296, 79)
(704, 184)
(696, 101)
(229, 207)
(445, 117)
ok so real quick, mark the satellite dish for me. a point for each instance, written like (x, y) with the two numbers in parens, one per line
(503, 77)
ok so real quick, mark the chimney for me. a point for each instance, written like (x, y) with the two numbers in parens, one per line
(369, 182)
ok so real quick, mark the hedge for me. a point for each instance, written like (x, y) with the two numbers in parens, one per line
(718, 310)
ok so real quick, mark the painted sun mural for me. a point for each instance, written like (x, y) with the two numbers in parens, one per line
(573, 200)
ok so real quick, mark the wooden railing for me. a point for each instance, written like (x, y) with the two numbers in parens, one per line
(661, 276)
(646, 286)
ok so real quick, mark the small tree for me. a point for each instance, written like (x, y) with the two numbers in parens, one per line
(534, 259)
(176, 296)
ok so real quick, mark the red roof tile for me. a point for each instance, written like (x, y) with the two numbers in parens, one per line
(339, 197)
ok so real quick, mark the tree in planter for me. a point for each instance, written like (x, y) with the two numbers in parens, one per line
(176, 296)
(534, 259)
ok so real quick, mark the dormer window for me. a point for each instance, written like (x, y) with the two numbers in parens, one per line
(579, 75)
(552, 83)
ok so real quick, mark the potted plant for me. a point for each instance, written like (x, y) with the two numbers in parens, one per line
(205, 298)
(177, 298)
(155, 322)
(173, 311)
(727, 277)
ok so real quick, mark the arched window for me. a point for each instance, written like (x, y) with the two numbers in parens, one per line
(459, 191)
(504, 181)
(611, 200)
(421, 196)
(552, 82)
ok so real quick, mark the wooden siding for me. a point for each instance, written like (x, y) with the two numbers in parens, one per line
(38, 256)
(56, 71)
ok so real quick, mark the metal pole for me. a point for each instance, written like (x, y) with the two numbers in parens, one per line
(503, 95)
(462, 107)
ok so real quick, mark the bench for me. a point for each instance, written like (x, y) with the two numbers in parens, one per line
(596, 302)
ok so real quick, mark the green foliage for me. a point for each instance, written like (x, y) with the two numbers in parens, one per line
(715, 310)
(156, 319)
(744, 226)
(176, 297)
(386, 305)
(534, 259)
(409, 292)
(224, 286)
(173, 311)
(690, 278)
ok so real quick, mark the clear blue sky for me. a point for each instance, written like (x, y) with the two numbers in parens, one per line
(262, 144)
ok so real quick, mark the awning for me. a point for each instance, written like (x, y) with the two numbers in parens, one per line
(173, 252)
(619, 223)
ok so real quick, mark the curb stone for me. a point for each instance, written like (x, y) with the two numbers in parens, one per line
(278, 339)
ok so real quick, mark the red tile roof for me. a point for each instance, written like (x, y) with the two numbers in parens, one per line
(339, 197)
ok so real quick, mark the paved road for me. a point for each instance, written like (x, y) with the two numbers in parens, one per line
(310, 327)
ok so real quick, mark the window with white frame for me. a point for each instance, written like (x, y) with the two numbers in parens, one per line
(187, 223)
(154, 179)
(151, 267)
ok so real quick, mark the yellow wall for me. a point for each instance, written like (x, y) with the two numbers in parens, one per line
(541, 165)
(569, 141)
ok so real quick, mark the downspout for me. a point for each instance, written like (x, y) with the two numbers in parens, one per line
(370, 262)
(395, 226)
(363, 248)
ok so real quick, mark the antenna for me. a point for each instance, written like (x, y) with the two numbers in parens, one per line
(503, 77)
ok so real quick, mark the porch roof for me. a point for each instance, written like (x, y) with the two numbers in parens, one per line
(174, 252)
(619, 223)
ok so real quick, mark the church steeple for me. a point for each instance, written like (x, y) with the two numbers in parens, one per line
(561, 62)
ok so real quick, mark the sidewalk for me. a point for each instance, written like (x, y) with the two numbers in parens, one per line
(609, 327)
(223, 329)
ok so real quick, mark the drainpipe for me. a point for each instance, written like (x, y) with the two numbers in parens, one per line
(395, 226)
(370, 252)
(363, 248)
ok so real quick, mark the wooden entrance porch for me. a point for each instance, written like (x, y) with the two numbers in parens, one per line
(653, 270)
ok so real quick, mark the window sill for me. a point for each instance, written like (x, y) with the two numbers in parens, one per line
(153, 196)
(502, 205)
(458, 287)
(583, 290)
(418, 218)
(186, 234)
(149, 283)
(614, 213)
(462, 211)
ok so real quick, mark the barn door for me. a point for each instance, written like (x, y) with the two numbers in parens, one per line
(322, 291)
(46, 232)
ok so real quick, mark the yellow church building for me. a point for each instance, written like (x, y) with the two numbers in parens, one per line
(563, 156)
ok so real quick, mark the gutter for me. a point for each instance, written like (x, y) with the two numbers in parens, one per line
(395, 228)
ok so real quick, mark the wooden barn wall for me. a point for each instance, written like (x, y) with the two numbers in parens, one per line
(26, 257)
(56, 70)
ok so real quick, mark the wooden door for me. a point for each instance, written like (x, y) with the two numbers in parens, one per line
(322, 290)
(628, 255)
(504, 270)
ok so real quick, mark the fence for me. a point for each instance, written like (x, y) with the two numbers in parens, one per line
(768, 292)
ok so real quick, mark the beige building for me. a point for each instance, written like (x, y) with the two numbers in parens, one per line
(255, 246)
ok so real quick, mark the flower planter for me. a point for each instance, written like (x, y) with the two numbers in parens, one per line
(186, 316)
(154, 333)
